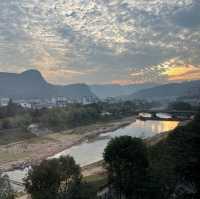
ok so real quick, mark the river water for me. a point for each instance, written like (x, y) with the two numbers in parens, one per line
(91, 151)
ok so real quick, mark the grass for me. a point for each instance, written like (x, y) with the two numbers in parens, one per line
(96, 181)
(7, 156)
(14, 135)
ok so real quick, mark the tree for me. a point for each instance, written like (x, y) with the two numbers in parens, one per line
(56, 179)
(127, 163)
(180, 106)
(12, 109)
(175, 161)
(185, 142)
(6, 124)
(6, 191)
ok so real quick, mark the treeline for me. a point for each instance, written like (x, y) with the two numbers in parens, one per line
(13, 116)
(73, 115)
(180, 106)
(10, 110)
(77, 115)
(175, 162)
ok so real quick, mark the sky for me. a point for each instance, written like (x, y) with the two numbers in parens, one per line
(102, 41)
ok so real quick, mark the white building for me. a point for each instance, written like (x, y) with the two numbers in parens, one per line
(88, 100)
(4, 101)
(25, 105)
(61, 101)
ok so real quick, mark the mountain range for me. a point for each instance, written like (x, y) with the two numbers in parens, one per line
(30, 85)
(168, 91)
(116, 90)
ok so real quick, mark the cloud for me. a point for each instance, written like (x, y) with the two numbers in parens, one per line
(189, 16)
(99, 41)
(182, 73)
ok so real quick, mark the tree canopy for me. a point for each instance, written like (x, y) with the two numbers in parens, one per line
(126, 160)
(176, 162)
(180, 106)
(6, 191)
(56, 179)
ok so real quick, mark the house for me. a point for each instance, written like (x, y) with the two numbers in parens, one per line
(4, 101)
(25, 105)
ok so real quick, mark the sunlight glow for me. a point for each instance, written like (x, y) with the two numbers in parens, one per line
(181, 73)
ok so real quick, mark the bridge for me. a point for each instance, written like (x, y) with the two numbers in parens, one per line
(175, 114)
(193, 112)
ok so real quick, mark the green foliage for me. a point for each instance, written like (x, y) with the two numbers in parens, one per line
(6, 124)
(10, 110)
(176, 160)
(69, 117)
(56, 118)
(127, 164)
(96, 181)
(14, 116)
(120, 109)
(56, 179)
(6, 191)
(22, 121)
(180, 106)
(74, 115)
(19, 121)
(172, 169)
(81, 116)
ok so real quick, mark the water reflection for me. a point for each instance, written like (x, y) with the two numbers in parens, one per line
(163, 115)
(87, 153)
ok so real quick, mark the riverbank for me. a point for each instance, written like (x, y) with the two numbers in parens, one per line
(31, 151)
(98, 168)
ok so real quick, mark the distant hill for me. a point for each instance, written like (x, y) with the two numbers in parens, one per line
(168, 91)
(116, 90)
(30, 84)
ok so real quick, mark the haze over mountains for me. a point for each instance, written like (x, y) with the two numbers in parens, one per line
(30, 84)
(169, 91)
(116, 90)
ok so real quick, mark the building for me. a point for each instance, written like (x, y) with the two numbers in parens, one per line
(4, 101)
(26, 105)
(61, 101)
(88, 100)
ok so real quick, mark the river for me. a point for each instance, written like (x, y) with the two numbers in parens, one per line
(91, 151)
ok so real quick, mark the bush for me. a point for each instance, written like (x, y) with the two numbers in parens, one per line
(176, 160)
(57, 179)
(180, 106)
(6, 124)
(6, 191)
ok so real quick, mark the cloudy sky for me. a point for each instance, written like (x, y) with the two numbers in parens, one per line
(102, 41)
